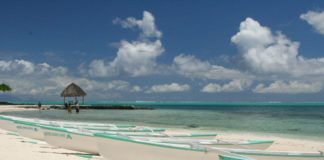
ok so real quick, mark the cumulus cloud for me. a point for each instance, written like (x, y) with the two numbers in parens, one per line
(51, 87)
(173, 87)
(136, 58)
(98, 68)
(266, 52)
(237, 85)
(190, 66)
(291, 87)
(29, 79)
(315, 19)
(147, 25)
(24, 67)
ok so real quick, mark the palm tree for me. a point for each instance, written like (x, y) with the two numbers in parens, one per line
(5, 88)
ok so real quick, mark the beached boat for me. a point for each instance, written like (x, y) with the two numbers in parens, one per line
(171, 135)
(8, 124)
(85, 141)
(112, 146)
(247, 144)
(116, 129)
(271, 155)
(72, 139)
(69, 124)
(29, 130)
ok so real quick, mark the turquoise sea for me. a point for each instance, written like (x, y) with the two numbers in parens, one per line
(297, 119)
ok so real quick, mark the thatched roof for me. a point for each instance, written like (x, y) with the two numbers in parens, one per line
(73, 90)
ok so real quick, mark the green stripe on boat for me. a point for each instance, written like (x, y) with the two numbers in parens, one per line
(202, 134)
(25, 122)
(5, 118)
(13, 134)
(223, 157)
(259, 141)
(88, 156)
(277, 154)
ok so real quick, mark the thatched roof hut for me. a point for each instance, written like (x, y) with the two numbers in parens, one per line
(73, 90)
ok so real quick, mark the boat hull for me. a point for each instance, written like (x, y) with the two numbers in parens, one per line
(248, 145)
(116, 149)
(30, 131)
(267, 155)
(71, 141)
(8, 125)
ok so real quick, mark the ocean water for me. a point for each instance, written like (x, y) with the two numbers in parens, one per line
(293, 119)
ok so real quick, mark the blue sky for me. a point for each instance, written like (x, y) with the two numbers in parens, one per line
(164, 50)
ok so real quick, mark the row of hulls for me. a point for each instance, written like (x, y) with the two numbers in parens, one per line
(270, 155)
(109, 145)
(88, 141)
(141, 145)
(35, 129)
(9, 123)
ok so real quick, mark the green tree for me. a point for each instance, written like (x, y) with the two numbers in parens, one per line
(5, 88)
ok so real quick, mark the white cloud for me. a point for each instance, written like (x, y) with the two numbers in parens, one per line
(42, 80)
(136, 89)
(136, 58)
(190, 66)
(24, 67)
(51, 87)
(147, 25)
(98, 68)
(265, 52)
(92, 85)
(315, 19)
(173, 87)
(19, 66)
(291, 87)
(237, 85)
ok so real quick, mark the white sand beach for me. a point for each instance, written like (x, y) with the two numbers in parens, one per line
(15, 147)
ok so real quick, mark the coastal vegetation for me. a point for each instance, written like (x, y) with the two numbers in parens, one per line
(5, 88)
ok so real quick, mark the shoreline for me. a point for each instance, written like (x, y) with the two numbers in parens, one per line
(98, 107)
(37, 151)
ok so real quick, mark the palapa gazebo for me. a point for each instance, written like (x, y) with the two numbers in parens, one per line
(73, 90)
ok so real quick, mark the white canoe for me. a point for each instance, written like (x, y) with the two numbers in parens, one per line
(84, 140)
(272, 155)
(169, 135)
(124, 148)
(248, 144)
(71, 139)
(70, 124)
(8, 124)
(88, 126)
(29, 130)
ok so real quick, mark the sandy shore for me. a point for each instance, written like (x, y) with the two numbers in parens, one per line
(15, 147)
